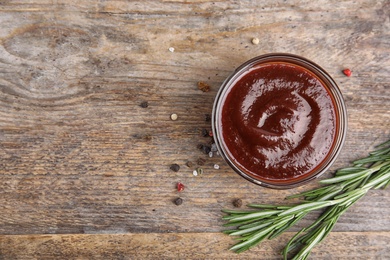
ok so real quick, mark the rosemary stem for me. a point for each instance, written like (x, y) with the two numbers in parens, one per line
(337, 195)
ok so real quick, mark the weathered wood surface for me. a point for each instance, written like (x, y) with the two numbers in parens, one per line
(79, 155)
(176, 246)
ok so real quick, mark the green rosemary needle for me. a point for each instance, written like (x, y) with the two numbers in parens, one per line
(340, 192)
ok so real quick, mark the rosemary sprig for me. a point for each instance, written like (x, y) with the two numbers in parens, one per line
(341, 192)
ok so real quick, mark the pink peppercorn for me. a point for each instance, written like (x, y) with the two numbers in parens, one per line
(180, 186)
(347, 72)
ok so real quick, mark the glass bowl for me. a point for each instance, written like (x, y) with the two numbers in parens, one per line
(279, 120)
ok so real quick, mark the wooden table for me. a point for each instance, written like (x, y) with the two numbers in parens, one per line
(85, 167)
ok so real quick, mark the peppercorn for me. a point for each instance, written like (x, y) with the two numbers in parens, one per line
(178, 201)
(255, 41)
(200, 161)
(205, 133)
(180, 186)
(189, 164)
(144, 104)
(237, 203)
(175, 167)
(347, 72)
(207, 117)
(206, 149)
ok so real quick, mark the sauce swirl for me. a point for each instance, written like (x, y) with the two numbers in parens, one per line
(278, 121)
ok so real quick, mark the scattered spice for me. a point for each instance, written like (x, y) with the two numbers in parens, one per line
(214, 147)
(171, 49)
(216, 166)
(237, 203)
(203, 86)
(200, 146)
(347, 72)
(189, 164)
(200, 161)
(207, 117)
(205, 133)
(199, 171)
(174, 117)
(206, 149)
(144, 104)
(195, 173)
(180, 187)
(255, 41)
(211, 154)
(211, 133)
(178, 201)
(175, 167)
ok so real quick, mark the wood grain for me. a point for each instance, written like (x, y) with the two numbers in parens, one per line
(374, 245)
(79, 155)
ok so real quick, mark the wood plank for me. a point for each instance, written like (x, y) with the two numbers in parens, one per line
(134, 203)
(339, 245)
(79, 155)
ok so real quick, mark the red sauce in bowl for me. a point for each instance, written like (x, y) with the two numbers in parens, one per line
(279, 122)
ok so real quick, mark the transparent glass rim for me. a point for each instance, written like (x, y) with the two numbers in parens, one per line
(335, 92)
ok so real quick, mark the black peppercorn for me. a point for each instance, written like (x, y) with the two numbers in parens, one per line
(178, 201)
(206, 149)
(175, 167)
(205, 133)
(199, 146)
(237, 203)
(144, 104)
